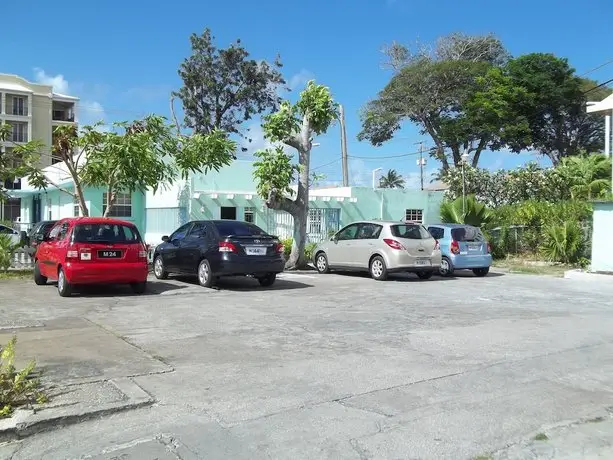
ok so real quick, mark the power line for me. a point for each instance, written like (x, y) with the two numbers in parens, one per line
(383, 157)
(326, 164)
(599, 86)
(597, 68)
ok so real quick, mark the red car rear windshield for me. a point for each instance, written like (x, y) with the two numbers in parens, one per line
(105, 233)
(410, 231)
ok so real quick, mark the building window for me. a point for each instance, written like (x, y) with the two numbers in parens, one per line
(249, 215)
(19, 106)
(122, 207)
(19, 132)
(414, 215)
(315, 221)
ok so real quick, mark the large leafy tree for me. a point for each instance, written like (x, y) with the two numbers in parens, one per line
(542, 93)
(18, 160)
(276, 171)
(222, 88)
(391, 179)
(138, 155)
(431, 89)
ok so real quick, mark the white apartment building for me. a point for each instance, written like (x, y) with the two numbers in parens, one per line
(33, 111)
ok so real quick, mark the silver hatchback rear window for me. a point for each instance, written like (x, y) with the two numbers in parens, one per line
(410, 231)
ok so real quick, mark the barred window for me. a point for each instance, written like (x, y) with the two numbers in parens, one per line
(249, 215)
(315, 221)
(414, 215)
(122, 207)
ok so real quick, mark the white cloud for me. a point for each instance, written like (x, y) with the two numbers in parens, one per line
(58, 82)
(299, 80)
(88, 111)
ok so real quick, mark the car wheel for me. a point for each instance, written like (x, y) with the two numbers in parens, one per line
(139, 288)
(321, 263)
(481, 272)
(446, 268)
(378, 270)
(39, 279)
(63, 286)
(205, 274)
(158, 268)
(268, 280)
(424, 275)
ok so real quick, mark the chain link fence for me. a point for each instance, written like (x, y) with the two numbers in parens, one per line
(524, 240)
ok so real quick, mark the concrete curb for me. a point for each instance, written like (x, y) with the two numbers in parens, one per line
(25, 422)
(579, 274)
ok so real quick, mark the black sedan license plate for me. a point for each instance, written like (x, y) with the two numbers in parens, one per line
(106, 254)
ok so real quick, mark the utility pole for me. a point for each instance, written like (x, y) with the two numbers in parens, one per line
(421, 163)
(345, 167)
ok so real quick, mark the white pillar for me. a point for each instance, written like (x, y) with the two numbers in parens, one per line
(3, 102)
(607, 135)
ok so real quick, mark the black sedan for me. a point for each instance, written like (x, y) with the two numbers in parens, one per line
(214, 248)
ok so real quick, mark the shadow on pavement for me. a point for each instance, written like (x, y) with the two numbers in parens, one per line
(411, 277)
(153, 288)
(245, 283)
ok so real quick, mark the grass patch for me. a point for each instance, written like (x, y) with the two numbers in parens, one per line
(483, 457)
(525, 267)
(17, 387)
(540, 437)
(16, 274)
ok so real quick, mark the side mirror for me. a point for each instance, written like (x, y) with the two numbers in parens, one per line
(40, 237)
(334, 238)
(165, 239)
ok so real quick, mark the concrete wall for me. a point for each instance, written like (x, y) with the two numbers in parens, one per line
(41, 125)
(602, 238)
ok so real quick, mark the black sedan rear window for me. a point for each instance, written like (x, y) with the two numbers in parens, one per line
(105, 233)
(410, 231)
(237, 228)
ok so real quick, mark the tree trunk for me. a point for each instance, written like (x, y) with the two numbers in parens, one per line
(78, 189)
(110, 201)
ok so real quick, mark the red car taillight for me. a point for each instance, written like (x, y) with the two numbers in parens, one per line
(394, 244)
(279, 248)
(437, 246)
(455, 247)
(225, 246)
(75, 252)
(489, 248)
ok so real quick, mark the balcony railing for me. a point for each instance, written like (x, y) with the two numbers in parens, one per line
(61, 115)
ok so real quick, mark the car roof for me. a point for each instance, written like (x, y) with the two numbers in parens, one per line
(452, 225)
(385, 222)
(96, 220)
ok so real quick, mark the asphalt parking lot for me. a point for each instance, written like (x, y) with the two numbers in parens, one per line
(326, 366)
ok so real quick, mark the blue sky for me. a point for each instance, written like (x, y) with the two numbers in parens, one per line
(121, 58)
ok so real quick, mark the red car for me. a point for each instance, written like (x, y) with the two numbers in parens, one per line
(91, 250)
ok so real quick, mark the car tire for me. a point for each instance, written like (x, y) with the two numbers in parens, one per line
(159, 271)
(481, 272)
(378, 269)
(39, 279)
(268, 280)
(205, 274)
(139, 288)
(446, 269)
(321, 263)
(64, 288)
(425, 275)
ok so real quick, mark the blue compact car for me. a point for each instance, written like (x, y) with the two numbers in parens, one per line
(463, 247)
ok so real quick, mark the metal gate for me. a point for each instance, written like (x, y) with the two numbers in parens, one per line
(321, 223)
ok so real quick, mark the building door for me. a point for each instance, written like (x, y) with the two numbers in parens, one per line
(228, 212)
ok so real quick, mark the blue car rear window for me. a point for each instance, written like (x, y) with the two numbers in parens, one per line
(466, 234)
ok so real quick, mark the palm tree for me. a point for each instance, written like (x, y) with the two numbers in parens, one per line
(391, 180)
(470, 212)
(590, 174)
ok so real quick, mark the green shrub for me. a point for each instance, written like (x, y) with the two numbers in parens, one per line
(563, 243)
(308, 248)
(17, 388)
(7, 249)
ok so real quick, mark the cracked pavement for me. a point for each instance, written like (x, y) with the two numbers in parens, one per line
(333, 366)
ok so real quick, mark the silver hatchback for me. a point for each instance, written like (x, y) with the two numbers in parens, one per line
(380, 248)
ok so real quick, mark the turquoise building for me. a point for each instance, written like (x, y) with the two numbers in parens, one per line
(230, 194)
